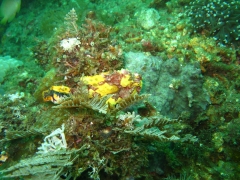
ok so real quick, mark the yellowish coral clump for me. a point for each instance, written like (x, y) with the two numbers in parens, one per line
(110, 83)
(8, 10)
(120, 84)
(99, 84)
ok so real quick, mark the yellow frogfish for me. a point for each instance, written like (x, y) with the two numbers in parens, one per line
(8, 10)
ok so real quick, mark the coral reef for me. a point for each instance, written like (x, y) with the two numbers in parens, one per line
(107, 145)
(91, 112)
(219, 17)
(87, 50)
(70, 97)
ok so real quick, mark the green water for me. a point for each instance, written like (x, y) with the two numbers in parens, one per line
(130, 89)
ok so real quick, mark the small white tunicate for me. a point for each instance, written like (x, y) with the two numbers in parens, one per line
(92, 43)
(70, 44)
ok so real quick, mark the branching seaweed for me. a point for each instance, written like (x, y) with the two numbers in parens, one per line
(81, 100)
(47, 166)
(132, 99)
(153, 128)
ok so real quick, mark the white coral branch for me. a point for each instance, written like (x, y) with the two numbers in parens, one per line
(54, 141)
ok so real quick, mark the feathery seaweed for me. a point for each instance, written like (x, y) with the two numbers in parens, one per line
(153, 128)
(80, 99)
(47, 166)
(132, 99)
